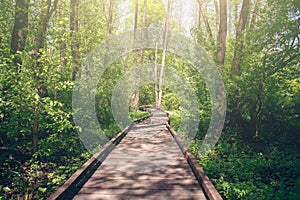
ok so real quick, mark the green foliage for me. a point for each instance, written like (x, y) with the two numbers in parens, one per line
(260, 99)
(170, 102)
(58, 157)
(135, 115)
(147, 96)
(175, 120)
(263, 100)
(156, 13)
(243, 170)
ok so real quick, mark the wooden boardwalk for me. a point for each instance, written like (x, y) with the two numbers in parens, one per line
(146, 164)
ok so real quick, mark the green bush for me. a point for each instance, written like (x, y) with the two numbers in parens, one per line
(135, 115)
(243, 170)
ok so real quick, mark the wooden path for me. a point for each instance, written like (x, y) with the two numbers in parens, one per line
(146, 164)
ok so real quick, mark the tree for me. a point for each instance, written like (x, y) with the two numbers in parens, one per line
(74, 27)
(134, 100)
(205, 19)
(216, 3)
(244, 15)
(141, 51)
(155, 76)
(165, 46)
(137, 75)
(18, 37)
(255, 12)
(221, 40)
(110, 17)
(63, 43)
(39, 80)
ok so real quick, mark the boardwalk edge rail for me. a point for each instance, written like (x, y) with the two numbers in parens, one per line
(209, 189)
(70, 187)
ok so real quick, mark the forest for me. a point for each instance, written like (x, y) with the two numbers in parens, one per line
(254, 45)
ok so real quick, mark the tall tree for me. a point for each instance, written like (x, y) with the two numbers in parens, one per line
(134, 101)
(110, 17)
(19, 30)
(205, 19)
(40, 83)
(141, 53)
(74, 26)
(155, 75)
(255, 12)
(63, 45)
(221, 40)
(235, 66)
(236, 12)
(165, 46)
(216, 3)
(199, 18)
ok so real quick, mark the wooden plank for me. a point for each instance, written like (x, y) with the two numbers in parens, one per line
(69, 185)
(140, 197)
(147, 163)
(208, 187)
(175, 193)
(151, 184)
(77, 177)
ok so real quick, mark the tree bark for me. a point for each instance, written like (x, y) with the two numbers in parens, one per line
(165, 46)
(180, 16)
(63, 45)
(47, 12)
(110, 17)
(255, 11)
(18, 38)
(155, 75)
(199, 17)
(229, 23)
(221, 41)
(40, 82)
(134, 101)
(216, 3)
(236, 15)
(35, 130)
(205, 20)
(235, 66)
(137, 92)
(74, 27)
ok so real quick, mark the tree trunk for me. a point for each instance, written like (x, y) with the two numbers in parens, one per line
(235, 66)
(63, 45)
(47, 12)
(155, 76)
(255, 11)
(137, 95)
(236, 15)
(216, 3)
(18, 37)
(40, 82)
(110, 17)
(199, 17)
(165, 43)
(74, 30)
(134, 101)
(206, 23)
(35, 131)
(180, 15)
(221, 41)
